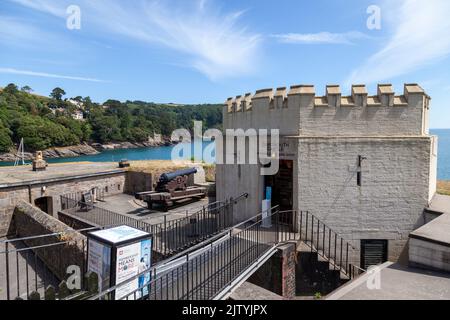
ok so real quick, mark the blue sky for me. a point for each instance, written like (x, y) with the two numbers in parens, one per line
(203, 51)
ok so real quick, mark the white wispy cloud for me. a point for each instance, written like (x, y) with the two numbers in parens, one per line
(51, 7)
(20, 32)
(46, 75)
(214, 42)
(420, 37)
(321, 37)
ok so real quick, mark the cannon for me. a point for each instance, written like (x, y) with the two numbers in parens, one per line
(171, 188)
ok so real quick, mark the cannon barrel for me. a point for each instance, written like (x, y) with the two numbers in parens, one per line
(166, 177)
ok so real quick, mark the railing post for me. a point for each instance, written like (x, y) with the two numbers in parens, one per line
(318, 235)
(335, 251)
(312, 232)
(229, 256)
(340, 263)
(346, 259)
(301, 224)
(277, 221)
(165, 234)
(7, 270)
(306, 227)
(329, 243)
(323, 241)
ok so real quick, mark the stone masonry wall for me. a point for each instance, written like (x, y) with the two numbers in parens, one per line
(30, 221)
(10, 197)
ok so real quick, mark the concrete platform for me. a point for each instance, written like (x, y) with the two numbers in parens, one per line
(24, 175)
(249, 291)
(436, 231)
(127, 205)
(440, 204)
(397, 283)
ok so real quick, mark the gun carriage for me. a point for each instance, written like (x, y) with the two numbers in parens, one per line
(171, 188)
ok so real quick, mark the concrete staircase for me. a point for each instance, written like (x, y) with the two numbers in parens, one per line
(316, 274)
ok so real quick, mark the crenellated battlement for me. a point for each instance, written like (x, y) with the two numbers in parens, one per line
(299, 109)
(358, 97)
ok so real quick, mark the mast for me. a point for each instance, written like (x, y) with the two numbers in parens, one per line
(20, 156)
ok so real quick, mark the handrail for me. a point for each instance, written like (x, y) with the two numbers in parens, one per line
(236, 256)
(68, 231)
(170, 236)
(326, 242)
(152, 270)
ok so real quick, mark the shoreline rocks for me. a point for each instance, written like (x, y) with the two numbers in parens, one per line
(58, 152)
(85, 150)
(129, 145)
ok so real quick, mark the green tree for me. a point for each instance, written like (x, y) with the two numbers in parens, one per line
(5, 138)
(11, 89)
(57, 94)
(26, 89)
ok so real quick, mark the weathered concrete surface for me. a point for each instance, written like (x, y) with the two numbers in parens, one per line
(249, 291)
(397, 283)
(440, 204)
(437, 230)
(24, 175)
(429, 246)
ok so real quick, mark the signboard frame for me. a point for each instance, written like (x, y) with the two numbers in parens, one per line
(114, 248)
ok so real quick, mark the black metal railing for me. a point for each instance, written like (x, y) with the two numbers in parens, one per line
(170, 236)
(204, 274)
(32, 264)
(97, 194)
(320, 238)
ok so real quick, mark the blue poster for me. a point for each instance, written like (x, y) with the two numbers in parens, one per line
(144, 264)
(268, 193)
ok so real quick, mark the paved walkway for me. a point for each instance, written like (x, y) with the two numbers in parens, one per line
(397, 282)
(127, 205)
(25, 174)
(27, 273)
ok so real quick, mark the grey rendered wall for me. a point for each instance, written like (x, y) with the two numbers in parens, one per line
(394, 191)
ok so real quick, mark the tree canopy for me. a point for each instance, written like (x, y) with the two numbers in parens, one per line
(48, 122)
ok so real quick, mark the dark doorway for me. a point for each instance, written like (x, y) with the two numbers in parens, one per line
(373, 252)
(282, 186)
(45, 204)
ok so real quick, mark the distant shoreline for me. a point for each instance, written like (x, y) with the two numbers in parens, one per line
(84, 150)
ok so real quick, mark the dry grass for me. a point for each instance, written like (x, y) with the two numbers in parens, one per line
(443, 187)
(156, 166)
(210, 172)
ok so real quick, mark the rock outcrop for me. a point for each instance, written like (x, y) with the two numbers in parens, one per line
(62, 152)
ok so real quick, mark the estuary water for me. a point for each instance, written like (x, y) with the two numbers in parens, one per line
(165, 153)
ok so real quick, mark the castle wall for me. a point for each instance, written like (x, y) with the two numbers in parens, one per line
(329, 133)
(301, 112)
(394, 191)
